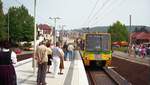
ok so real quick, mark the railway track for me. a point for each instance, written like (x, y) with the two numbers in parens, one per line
(137, 74)
(105, 76)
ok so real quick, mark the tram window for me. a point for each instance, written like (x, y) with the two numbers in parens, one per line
(93, 42)
(105, 42)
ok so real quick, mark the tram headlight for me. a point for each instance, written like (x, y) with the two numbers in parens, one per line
(86, 58)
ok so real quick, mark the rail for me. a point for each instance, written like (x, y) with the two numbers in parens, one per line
(105, 76)
(116, 77)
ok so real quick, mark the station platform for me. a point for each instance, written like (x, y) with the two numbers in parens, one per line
(74, 73)
(132, 58)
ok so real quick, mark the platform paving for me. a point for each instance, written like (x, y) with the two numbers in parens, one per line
(74, 73)
(132, 58)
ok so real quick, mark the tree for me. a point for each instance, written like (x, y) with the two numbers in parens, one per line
(21, 24)
(118, 32)
(3, 33)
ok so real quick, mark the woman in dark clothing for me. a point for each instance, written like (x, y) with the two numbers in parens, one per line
(49, 54)
(7, 59)
(65, 49)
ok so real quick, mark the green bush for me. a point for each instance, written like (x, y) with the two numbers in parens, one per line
(122, 49)
(27, 44)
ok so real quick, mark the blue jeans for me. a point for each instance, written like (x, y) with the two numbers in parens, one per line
(65, 55)
(71, 55)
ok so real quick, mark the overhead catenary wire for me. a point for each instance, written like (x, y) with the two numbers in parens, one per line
(97, 1)
(98, 11)
(103, 13)
(107, 12)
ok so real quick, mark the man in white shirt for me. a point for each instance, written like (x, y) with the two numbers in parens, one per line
(71, 51)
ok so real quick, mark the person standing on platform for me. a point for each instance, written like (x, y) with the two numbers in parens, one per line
(71, 51)
(42, 59)
(57, 58)
(143, 51)
(49, 54)
(61, 66)
(65, 49)
(7, 59)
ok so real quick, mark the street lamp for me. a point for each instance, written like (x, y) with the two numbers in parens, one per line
(54, 28)
(34, 62)
(61, 33)
(130, 31)
(8, 25)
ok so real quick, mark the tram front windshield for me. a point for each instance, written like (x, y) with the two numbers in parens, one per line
(97, 42)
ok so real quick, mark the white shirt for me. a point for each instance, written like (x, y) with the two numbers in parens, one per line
(70, 47)
(57, 52)
(13, 55)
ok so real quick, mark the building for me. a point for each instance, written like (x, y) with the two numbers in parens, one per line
(140, 37)
(45, 31)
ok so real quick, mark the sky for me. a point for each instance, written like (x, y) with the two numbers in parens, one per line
(76, 14)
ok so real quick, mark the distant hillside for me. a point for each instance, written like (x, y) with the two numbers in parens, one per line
(138, 27)
(105, 28)
(93, 29)
(99, 29)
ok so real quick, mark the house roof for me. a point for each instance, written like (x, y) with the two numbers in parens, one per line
(141, 35)
(44, 27)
